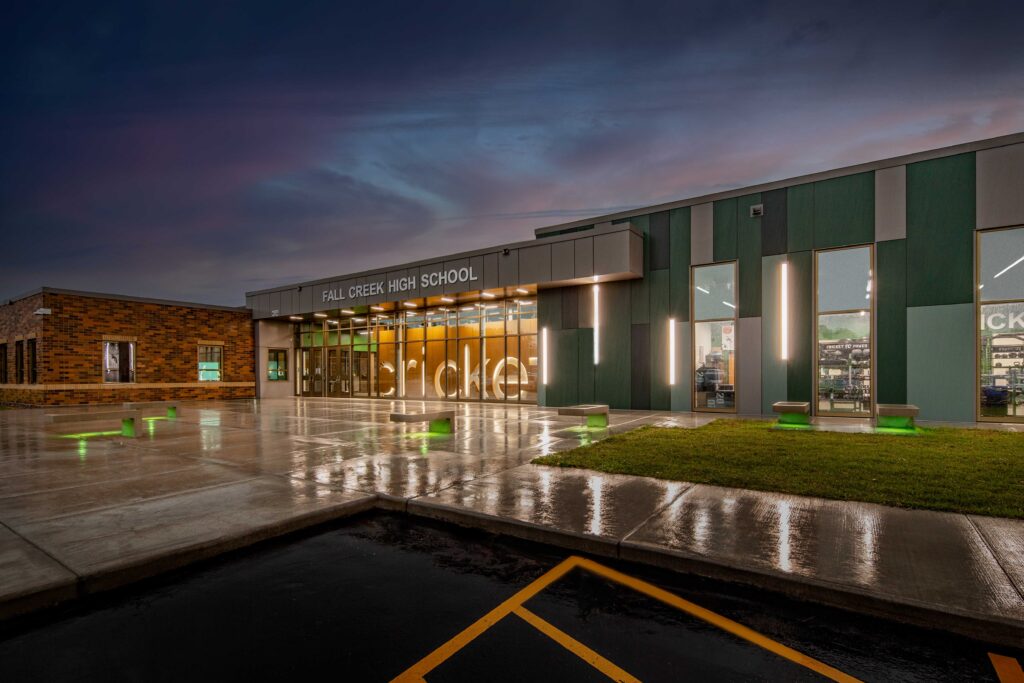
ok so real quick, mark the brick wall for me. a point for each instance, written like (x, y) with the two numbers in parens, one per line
(70, 349)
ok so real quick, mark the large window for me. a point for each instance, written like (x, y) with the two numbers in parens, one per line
(714, 337)
(3, 363)
(33, 362)
(19, 361)
(211, 363)
(482, 350)
(277, 365)
(1001, 324)
(844, 321)
(119, 361)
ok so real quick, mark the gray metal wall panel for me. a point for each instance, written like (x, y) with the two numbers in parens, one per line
(490, 276)
(508, 269)
(940, 362)
(392, 275)
(535, 264)
(612, 253)
(702, 230)
(455, 288)
(1000, 186)
(272, 334)
(430, 290)
(306, 299)
(636, 254)
(583, 253)
(680, 391)
(773, 368)
(891, 203)
(659, 250)
(274, 303)
(748, 366)
(563, 261)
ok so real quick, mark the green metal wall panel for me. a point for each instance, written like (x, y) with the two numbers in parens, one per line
(800, 217)
(563, 382)
(724, 230)
(940, 362)
(799, 374)
(844, 211)
(613, 374)
(679, 268)
(549, 308)
(891, 321)
(640, 289)
(773, 368)
(684, 375)
(748, 236)
(658, 357)
(940, 231)
(585, 393)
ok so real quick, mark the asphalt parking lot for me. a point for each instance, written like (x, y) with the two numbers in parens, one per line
(384, 597)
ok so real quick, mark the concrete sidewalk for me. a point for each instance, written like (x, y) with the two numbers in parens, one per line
(83, 515)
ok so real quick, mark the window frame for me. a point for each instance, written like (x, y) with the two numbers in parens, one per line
(978, 304)
(19, 361)
(872, 334)
(270, 356)
(3, 363)
(693, 331)
(199, 360)
(132, 356)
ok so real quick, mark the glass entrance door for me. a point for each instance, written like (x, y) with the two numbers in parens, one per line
(363, 363)
(312, 372)
(338, 382)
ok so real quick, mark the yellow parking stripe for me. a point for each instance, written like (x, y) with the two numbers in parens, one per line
(1007, 668)
(421, 668)
(417, 672)
(576, 647)
(721, 622)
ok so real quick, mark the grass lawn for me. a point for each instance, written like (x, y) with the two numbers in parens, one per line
(960, 470)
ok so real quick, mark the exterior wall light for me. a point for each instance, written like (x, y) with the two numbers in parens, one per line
(544, 356)
(597, 325)
(784, 311)
(672, 351)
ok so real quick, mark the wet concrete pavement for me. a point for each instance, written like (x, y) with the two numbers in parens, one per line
(85, 514)
(375, 596)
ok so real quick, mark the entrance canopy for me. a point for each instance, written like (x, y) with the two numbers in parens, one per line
(602, 254)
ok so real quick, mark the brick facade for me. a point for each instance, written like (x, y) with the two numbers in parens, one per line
(69, 342)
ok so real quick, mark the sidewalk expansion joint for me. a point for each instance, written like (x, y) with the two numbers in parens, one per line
(995, 555)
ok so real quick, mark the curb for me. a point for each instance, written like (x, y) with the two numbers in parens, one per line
(992, 629)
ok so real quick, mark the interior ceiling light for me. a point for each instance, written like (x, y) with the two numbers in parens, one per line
(733, 306)
(488, 295)
(702, 289)
(447, 299)
(377, 308)
(320, 315)
(295, 317)
(410, 304)
(332, 322)
(347, 311)
(1020, 260)
(520, 290)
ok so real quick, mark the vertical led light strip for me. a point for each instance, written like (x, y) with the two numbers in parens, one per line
(465, 369)
(423, 366)
(544, 356)
(672, 351)
(784, 310)
(597, 326)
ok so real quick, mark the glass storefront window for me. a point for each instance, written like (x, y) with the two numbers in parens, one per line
(714, 337)
(277, 365)
(843, 331)
(469, 352)
(714, 346)
(1001, 324)
(118, 362)
(211, 362)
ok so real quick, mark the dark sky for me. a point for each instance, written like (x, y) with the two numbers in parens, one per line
(196, 151)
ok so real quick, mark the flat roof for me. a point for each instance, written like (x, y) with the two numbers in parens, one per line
(902, 160)
(121, 297)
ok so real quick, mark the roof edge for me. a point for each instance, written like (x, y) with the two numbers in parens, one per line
(913, 157)
(120, 297)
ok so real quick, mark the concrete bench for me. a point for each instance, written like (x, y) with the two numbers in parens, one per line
(597, 415)
(129, 419)
(895, 415)
(441, 421)
(171, 408)
(793, 412)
